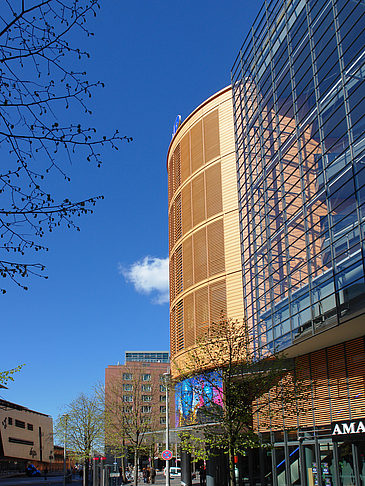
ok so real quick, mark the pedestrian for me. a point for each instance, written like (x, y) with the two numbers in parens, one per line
(202, 475)
(144, 472)
(153, 475)
(45, 473)
(148, 475)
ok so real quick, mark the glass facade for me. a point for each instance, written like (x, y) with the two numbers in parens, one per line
(298, 96)
(147, 356)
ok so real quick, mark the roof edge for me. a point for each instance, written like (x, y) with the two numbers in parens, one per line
(208, 100)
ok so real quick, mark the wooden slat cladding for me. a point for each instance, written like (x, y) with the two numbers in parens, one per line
(177, 219)
(196, 150)
(178, 271)
(186, 209)
(319, 385)
(338, 382)
(211, 136)
(198, 198)
(213, 184)
(170, 178)
(172, 277)
(337, 378)
(185, 157)
(171, 227)
(177, 168)
(215, 238)
(218, 301)
(188, 262)
(199, 186)
(201, 312)
(200, 255)
(355, 354)
(193, 314)
(172, 332)
(189, 321)
(179, 325)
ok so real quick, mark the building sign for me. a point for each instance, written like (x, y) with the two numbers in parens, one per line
(194, 397)
(348, 429)
(176, 124)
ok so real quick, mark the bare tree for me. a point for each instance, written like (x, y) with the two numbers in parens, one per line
(235, 388)
(130, 413)
(81, 430)
(40, 92)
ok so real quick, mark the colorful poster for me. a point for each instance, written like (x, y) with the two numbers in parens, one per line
(195, 397)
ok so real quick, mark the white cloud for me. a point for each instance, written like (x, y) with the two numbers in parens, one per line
(149, 276)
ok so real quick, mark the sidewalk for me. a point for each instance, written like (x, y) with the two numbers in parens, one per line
(161, 480)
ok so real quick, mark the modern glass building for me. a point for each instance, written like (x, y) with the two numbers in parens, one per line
(298, 89)
(298, 96)
(147, 356)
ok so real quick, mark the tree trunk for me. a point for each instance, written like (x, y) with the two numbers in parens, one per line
(232, 473)
(123, 464)
(85, 476)
(136, 467)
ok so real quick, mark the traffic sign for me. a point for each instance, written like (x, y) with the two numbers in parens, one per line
(167, 455)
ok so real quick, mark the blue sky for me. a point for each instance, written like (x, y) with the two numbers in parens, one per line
(107, 286)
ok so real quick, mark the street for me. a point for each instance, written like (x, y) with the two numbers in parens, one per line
(58, 481)
(37, 481)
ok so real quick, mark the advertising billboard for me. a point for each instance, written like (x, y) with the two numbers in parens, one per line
(194, 396)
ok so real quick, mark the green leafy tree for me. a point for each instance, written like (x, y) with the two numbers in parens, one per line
(129, 418)
(43, 104)
(246, 387)
(81, 430)
(6, 376)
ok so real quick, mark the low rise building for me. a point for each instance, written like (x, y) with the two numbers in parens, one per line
(26, 436)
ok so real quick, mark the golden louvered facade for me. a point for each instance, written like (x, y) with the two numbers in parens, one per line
(204, 245)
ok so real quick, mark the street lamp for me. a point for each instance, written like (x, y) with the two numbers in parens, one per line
(167, 377)
(65, 417)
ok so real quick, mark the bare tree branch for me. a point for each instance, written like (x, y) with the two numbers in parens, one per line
(38, 87)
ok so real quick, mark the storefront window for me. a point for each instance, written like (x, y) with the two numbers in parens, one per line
(361, 454)
(327, 465)
(294, 464)
(311, 466)
(280, 466)
(346, 464)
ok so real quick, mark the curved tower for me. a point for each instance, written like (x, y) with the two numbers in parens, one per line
(204, 244)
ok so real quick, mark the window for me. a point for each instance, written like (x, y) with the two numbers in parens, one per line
(146, 377)
(163, 409)
(128, 387)
(162, 420)
(146, 388)
(162, 398)
(146, 409)
(30, 426)
(128, 409)
(127, 398)
(19, 423)
(127, 376)
(21, 441)
(146, 420)
(10, 421)
(162, 378)
(162, 388)
(146, 398)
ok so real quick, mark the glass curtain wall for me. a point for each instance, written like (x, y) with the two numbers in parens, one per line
(298, 93)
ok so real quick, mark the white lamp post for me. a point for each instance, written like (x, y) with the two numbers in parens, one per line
(64, 451)
(167, 383)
